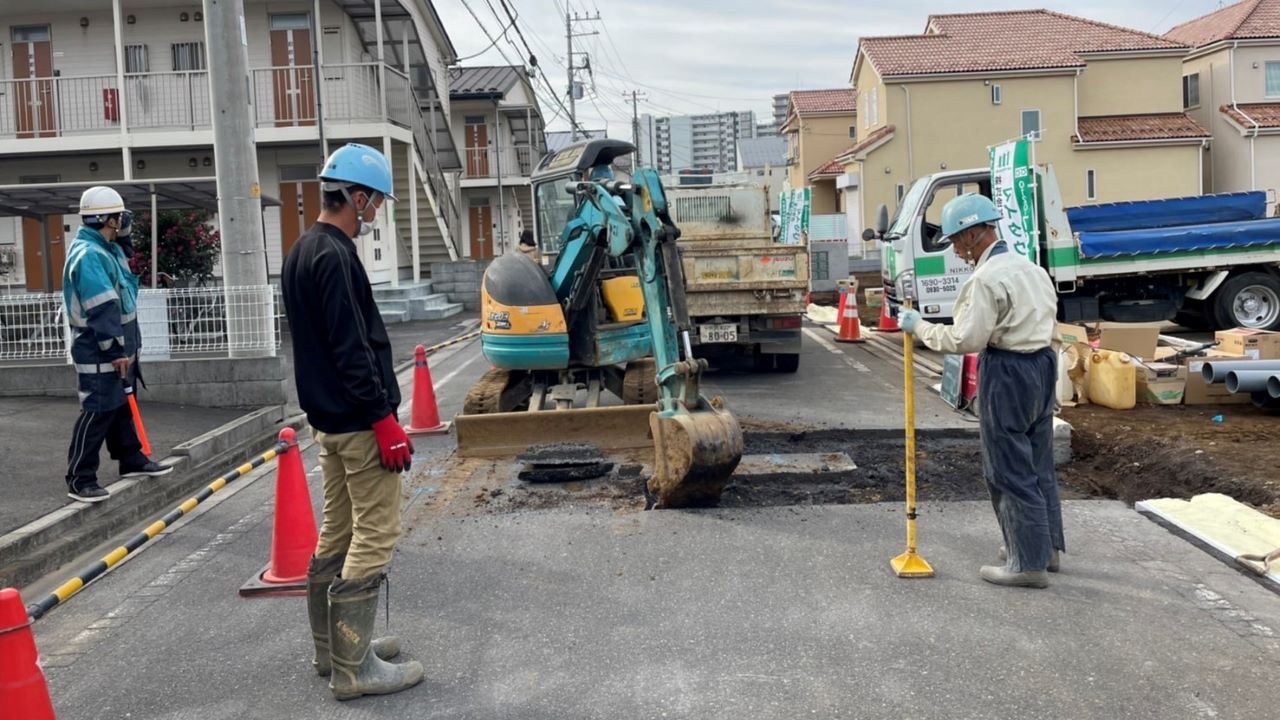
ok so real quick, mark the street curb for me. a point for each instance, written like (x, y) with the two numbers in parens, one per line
(47, 543)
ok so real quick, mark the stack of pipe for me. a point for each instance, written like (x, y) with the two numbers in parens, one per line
(1259, 378)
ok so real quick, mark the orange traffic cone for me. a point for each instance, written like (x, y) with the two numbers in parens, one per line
(293, 535)
(22, 686)
(888, 323)
(844, 294)
(424, 418)
(850, 324)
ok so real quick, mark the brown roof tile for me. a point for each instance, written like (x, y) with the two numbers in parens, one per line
(1267, 115)
(876, 136)
(835, 100)
(1243, 20)
(1125, 128)
(831, 167)
(994, 41)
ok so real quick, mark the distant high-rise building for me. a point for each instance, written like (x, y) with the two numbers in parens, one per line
(686, 142)
(779, 111)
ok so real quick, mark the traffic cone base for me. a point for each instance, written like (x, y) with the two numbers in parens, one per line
(424, 417)
(23, 690)
(850, 325)
(293, 534)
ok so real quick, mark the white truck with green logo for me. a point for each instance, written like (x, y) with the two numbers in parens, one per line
(1207, 261)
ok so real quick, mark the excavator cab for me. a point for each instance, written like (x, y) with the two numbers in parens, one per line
(608, 315)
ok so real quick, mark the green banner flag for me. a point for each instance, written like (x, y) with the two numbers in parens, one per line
(1014, 196)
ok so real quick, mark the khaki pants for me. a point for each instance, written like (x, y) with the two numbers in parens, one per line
(361, 503)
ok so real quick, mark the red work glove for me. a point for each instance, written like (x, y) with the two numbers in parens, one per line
(397, 451)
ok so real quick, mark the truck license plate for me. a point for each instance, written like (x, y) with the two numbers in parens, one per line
(718, 333)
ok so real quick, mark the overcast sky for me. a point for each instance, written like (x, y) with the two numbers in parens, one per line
(697, 56)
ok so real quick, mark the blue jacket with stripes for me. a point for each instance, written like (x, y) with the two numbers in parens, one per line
(100, 296)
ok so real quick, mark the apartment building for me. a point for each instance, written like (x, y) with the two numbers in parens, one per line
(1231, 85)
(702, 142)
(781, 101)
(116, 92)
(1102, 103)
(499, 126)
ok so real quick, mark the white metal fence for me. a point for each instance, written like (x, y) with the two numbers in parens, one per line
(175, 322)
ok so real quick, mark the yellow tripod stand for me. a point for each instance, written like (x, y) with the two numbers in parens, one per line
(910, 564)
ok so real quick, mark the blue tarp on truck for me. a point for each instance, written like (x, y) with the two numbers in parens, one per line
(1187, 238)
(1169, 212)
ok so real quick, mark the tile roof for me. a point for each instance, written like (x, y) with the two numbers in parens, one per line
(835, 100)
(830, 168)
(1267, 115)
(1126, 128)
(487, 81)
(866, 143)
(1243, 20)
(762, 151)
(994, 41)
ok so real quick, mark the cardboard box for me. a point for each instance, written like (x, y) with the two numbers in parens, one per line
(1161, 384)
(1136, 340)
(1197, 392)
(1068, 334)
(1253, 344)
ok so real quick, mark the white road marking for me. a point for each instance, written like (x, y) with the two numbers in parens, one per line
(829, 347)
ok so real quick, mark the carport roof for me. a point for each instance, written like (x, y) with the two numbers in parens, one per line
(38, 200)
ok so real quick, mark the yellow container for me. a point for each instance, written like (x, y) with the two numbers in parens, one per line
(1113, 380)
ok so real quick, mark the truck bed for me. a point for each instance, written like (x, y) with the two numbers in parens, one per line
(1186, 238)
(1168, 212)
(747, 277)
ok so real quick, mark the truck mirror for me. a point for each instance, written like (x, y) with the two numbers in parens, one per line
(882, 220)
(868, 235)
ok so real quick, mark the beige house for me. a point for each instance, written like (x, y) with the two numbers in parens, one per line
(1102, 103)
(819, 124)
(1231, 85)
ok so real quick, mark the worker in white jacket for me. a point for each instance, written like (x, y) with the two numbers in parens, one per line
(1007, 311)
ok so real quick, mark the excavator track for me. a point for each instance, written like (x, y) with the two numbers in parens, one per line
(485, 397)
(639, 383)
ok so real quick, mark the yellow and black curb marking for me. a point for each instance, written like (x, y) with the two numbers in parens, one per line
(111, 559)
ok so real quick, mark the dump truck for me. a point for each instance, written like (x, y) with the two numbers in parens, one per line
(746, 292)
(1208, 261)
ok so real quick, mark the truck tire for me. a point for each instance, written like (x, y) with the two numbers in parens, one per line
(1250, 300)
(787, 362)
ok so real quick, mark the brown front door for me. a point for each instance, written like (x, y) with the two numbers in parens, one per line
(299, 207)
(481, 217)
(35, 108)
(293, 79)
(477, 144)
(34, 255)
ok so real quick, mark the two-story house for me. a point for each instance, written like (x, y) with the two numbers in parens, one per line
(818, 125)
(98, 92)
(1231, 85)
(1102, 104)
(500, 132)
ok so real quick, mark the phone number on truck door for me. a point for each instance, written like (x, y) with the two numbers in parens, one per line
(941, 284)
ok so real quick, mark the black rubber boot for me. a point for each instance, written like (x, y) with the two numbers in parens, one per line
(353, 609)
(320, 573)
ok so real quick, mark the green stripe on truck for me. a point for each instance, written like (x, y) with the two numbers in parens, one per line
(926, 266)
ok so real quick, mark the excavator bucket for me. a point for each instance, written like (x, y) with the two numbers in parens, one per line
(694, 455)
(511, 433)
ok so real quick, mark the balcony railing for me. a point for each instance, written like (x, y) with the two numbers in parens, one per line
(494, 160)
(283, 97)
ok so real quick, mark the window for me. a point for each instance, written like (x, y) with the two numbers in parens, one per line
(853, 131)
(136, 59)
(1031, 124)
(866, 114)
(1190, 91)
(30, 33)
(875, 106)
(1273, 79)
(997, 95)
(187, 56)
(1090, 185)
(901, 190)
(291, 21)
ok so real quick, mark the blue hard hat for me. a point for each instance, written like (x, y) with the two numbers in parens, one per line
(360, 165)
(966, 211)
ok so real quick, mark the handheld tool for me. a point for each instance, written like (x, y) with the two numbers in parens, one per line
(910, 564)
(133, 408)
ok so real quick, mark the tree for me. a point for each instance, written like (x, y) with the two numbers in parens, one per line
(189, 246)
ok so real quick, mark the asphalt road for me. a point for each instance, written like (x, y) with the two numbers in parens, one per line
(777, 612)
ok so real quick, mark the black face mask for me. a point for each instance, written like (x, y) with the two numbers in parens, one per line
(126, 244)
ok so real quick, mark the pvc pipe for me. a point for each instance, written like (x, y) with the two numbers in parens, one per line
(1273, 387)
(1216, 372)
(1247, 381)
(1265, 401)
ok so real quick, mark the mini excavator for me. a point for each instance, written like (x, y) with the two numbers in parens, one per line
(609, 314)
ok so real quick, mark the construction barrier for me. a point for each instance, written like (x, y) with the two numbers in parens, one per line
(424, 415)
(23, 690)
(91, 573)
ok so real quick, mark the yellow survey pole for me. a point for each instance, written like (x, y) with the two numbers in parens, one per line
(910, 564)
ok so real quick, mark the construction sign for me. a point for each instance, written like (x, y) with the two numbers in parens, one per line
(793, 216)
(1013, 190)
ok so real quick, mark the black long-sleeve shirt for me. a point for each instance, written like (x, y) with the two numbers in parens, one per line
(341, 353)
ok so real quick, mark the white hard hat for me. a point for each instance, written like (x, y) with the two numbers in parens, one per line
(101, 200)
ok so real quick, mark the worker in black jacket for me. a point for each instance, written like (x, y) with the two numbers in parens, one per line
(347, 386)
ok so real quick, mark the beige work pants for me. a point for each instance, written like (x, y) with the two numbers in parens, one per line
(361, 503)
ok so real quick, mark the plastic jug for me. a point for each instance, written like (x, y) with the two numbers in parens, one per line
(1113, 380)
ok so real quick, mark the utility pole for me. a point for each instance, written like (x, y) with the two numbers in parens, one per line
(636, 96)
(250, 326)
(569, 20)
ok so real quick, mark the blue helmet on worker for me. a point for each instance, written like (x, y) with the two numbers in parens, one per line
(356, 164)
(967, 211)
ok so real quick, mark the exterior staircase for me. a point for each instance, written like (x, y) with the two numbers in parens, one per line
(413, 301)
(431, 242)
